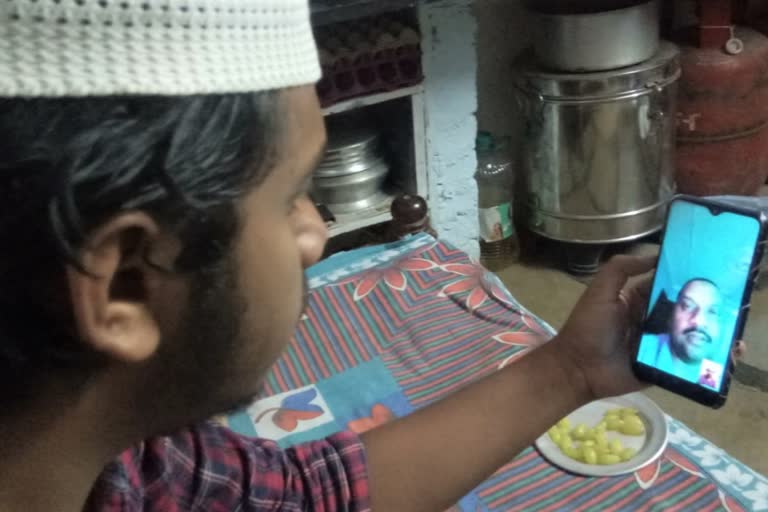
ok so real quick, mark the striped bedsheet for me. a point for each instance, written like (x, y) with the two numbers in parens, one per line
(393, 328)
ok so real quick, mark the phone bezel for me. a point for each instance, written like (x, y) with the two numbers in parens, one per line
(692, 391)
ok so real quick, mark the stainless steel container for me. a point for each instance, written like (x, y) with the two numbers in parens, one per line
(352, 174)
(599, 149)
(595, 41)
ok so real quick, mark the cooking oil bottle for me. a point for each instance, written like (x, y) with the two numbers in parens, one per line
(499, 245)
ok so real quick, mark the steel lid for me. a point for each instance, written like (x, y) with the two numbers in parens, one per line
(657, 72)
(351, 149)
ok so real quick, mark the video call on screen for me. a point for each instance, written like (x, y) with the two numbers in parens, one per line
(697, 294)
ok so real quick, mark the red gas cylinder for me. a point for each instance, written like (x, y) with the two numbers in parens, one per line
(723, 112)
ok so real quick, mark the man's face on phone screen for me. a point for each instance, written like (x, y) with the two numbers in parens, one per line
(695, 329)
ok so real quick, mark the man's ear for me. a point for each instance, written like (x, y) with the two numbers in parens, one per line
(110, 301)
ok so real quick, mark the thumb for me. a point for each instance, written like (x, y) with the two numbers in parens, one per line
(615, 274)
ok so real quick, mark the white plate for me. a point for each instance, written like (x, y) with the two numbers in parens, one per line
(649, 447)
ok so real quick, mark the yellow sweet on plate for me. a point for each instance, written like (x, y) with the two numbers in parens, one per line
(627, 412)
(614, 423)
(616, 447)
(580, 432)
(633, 426)
(555, 435)
(590, 444)
(627, 454)
(574, 452)
(590, 455)
(608, 459)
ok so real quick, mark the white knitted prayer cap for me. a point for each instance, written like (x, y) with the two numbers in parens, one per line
(55, 48)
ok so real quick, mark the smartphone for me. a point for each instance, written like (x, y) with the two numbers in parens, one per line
(699, 303)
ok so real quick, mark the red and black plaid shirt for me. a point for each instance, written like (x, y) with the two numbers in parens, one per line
(212, 469)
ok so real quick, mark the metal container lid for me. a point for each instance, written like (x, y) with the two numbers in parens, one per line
(654, 74)
(351, 149)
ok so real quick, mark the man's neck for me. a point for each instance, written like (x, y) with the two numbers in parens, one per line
(50, 459)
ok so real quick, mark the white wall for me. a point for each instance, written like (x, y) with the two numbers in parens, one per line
(503, 31)
(450, 67)
(468, 52)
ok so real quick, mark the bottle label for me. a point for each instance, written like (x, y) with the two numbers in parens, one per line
(496, 223)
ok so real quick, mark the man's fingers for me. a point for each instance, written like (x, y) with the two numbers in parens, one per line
(632, 266)
(643, 286)
(616, 273)
(739, 350)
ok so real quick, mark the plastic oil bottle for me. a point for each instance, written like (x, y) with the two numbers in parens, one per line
(499, 244)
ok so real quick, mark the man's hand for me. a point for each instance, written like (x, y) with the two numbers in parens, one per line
(739, 351)
(599, 338)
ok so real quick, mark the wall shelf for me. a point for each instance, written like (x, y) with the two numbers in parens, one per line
(372, 99)
(400, 115)
(348, 222)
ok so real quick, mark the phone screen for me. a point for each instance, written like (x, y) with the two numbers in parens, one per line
(703, 273)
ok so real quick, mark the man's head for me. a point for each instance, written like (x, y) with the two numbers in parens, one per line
(154, 242)
(695, 323)
(166, 236)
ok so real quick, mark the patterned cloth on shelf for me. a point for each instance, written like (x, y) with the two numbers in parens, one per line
(393, 328)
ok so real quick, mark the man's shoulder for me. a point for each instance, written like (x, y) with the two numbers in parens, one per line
(175, 461)
(215, 450)
(212, 459)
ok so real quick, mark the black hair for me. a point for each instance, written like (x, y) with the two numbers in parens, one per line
(68, 165)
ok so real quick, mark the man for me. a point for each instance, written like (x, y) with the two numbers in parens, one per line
(694, 332)
(154, 223)
(708, 379)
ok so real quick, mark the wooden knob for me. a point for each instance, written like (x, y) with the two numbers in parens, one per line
(409, 209)
(410, 214)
